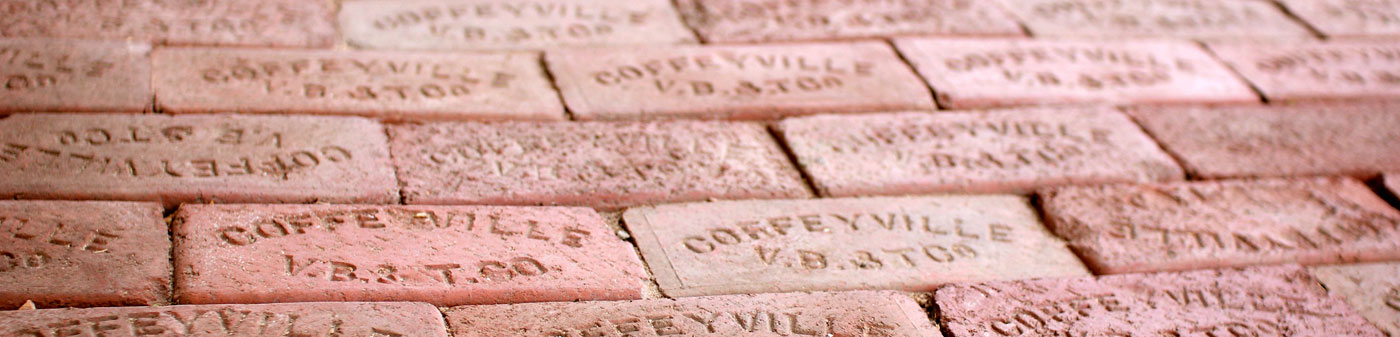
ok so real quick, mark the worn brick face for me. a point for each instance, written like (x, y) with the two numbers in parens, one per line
(41, 75)
(244, 23)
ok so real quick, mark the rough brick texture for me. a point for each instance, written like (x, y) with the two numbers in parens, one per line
(301, 319)
(244, 23)
(62, 76)
(1189, 19)
(1316, 71)
(1373, 289)
(731, 21)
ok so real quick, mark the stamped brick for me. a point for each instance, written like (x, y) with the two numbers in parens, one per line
(205, 158)
(1272, 301)
(385, 85)
(1373, 289)
(1348, 18)
(597, 164)
(728, 21)
(510, 25)
(249, 23)
(70, 75)
(859, 313)
(1012, 151)
(736, 82)
(1192, 19)
(1276, 141)
(1317, 71)
(980, 73)
(1200, 225)
(81, 254)
(445, 255)
(910, 244)
(301, 319)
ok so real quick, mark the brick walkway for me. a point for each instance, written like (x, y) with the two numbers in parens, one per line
(589, 168)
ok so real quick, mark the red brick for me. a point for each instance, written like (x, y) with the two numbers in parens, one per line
(1373, 289)
(1192, 19)
(910, 244)
(1392, 182)
(980, 73)
(728, 21)
(72, 253)
(1277, 141)
(69, 75)
(736, 82)
(445, 255)
(603, 165)
(1348, 18)
(302, 319)
(493, 24)
(205, 158)
(386, 85)
(1013, 151)
(255, 23)
(1200, 225)
(1316, 71)
(859, 313)
(1274, 301)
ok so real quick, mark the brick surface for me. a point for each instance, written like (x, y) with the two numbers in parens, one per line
(70, 253)
(911, 244)
(1200, 225)
(1313, 71)
(303, 319)
(1348, 18)
(206, 158)
(256, 23)
(1372, 289)
(727, 21)
(817, 314)
(387, 85)
(736, 82)
(64, 75)
(1392, 182)
(1275, 301)
(1193, 19)
(1278, 140)
(994, 151)
(502, 25)
(979, 73)
(603, 165)
(441, 255)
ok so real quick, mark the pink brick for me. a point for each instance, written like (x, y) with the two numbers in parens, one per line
(910, 244)
(71, 253)
(736, 82)
(1313, 71)
(1278, 141)
(1014, 151)
(1191, 19)
(1201, 225)
(69, 75)
(445, 255)
(603, 165)
(817, 314)
(302, 319)
(1392, 182)
(728, 21)
(1373, 289)
(250, 23)
(205, 158)
(1274, 301)
(386, 85)
(981, 73)
(1348, 18)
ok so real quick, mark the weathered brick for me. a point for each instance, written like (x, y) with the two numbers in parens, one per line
(1348, 18)
(603, 165)
(250, 23)
(301, 319)
(1013, 151)
(1373, 289)
(204, 158)
(42, 75)
(1201, 225)
(728, 21)
(1392, 182)
(1316, 71)
(910, 244)
(1191, 19)
(736, 82)
(445, 255)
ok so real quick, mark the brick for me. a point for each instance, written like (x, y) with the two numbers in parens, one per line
(1274, 301)
(736, 82)
(385, 85)
(247, 23)
(729, 21)
(204, 158)
(1348, 18)
(1316, 71)
(1006, 151)
(909, 244)
(1191, 19)
(1392, 182)
(1372, 289)
(1216, 224)
(301, 319)
(827, 314)
(445, 255)
(81, 254)
(1277, 141)
(510, 25)
(67, 75)
(981, 73)
(602, 165)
